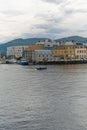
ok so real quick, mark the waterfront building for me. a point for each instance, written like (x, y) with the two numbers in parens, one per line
(15, 51)
(29, 50)
(65, 51)
(28, 55)
(42, 56)
(44, 46)
(81, 52)
(48, 51)
(59, 54)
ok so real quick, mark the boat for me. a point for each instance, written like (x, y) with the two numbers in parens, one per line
(41, 68)
(11, 61)
(23, 62)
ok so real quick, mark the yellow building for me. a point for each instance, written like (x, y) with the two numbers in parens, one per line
(65, 52)
(59, 53)
(35, 47)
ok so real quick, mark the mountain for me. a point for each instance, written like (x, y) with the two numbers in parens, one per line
(30, 41)
(73, 38)
(19, 42)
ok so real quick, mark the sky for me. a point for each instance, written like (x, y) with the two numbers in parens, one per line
(42, 19)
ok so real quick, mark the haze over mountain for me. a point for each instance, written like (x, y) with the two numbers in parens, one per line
(30, 41)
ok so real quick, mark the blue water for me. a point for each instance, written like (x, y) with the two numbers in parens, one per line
(52, 99)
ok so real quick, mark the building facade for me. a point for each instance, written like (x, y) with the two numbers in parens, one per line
(80, 53)
(48, 51)
(35, 47)
(42, 56)
(65, 52)
(15, 51)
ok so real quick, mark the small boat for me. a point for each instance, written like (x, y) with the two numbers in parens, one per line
(23, 62)
(41, 68)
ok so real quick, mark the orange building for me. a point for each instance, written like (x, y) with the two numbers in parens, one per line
(35, 47)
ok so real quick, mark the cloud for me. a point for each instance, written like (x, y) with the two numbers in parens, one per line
(12, 13)
(49, 28)
(54, 1)
(42, 18)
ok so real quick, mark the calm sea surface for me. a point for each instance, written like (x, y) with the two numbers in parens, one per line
(52, 99)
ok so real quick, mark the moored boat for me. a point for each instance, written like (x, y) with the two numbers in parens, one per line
(24, 62)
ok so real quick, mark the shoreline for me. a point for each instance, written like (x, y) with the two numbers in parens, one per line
(62, 62)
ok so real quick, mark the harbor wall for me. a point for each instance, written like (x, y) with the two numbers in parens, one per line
(63, 62)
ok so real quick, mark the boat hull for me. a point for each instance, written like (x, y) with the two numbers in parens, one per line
(24, 63)
(41, 68)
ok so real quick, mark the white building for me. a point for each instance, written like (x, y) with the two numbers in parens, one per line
(15, 51)
(81, 52)
(48, 43)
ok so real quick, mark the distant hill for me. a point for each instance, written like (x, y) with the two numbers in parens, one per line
(73, 38)
(30, 41)
(19, 42)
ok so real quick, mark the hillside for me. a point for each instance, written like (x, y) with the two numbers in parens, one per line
(73, 38)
